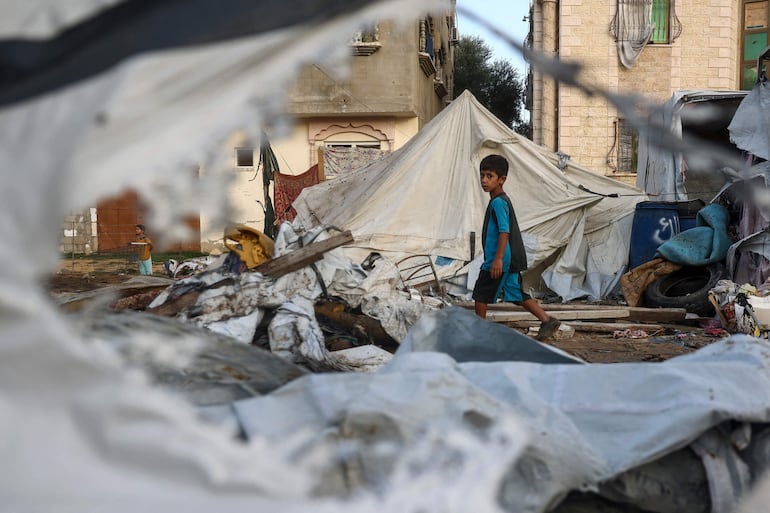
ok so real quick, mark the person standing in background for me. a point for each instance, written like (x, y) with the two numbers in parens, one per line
(144, 251)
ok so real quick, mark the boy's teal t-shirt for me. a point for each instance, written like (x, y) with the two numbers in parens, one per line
(499, 223)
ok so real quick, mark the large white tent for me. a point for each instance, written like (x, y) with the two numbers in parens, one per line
(425, 199)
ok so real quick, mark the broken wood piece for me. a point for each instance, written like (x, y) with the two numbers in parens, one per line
(303, 257)
(174, 306)
(360, 326)
(133, 286)
(722, 319)
(137, 301)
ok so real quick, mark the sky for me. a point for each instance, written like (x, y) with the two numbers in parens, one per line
(505, 15)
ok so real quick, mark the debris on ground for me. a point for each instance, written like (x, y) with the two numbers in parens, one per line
(306, 349)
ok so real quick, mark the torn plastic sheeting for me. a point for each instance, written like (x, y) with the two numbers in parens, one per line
(750, 126)
(756, 249)
(89, 436)
(381, 415)
(296, 336)
(363, 358)
(205, 367)
(729, 476)
(598, 420)
(379, 296)
(466, 337)
(757, 455)
(241, 329)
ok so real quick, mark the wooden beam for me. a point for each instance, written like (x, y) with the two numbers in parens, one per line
(562, 315)
(599, 327)
(303, 257)
(176, 305)
(636, 313)
(321, 164)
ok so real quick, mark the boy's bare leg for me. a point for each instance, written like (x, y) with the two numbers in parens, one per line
(480, 309)
(535, 309)
(548, 324)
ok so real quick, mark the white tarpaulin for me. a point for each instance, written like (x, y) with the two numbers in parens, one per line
(588, 424)
(425, 199)
(661, 169)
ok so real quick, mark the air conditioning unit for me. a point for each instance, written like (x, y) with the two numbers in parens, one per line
(454, 36)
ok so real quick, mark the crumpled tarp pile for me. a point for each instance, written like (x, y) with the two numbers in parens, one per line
(237, 303)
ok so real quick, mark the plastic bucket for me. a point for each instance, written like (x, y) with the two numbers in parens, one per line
(654, 223)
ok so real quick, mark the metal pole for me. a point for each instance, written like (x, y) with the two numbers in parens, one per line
(72, 245)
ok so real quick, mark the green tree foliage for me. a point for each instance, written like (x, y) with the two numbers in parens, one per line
(495, 84)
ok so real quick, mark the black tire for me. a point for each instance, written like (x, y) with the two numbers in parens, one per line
(686, 288)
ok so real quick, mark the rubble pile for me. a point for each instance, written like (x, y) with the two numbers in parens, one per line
(319, 314)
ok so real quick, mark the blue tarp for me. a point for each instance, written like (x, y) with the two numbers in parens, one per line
(705, 244)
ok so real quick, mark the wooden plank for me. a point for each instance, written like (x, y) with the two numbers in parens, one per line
(590, 326)
(636, 313)
(321, 163)
(303, 257)
(511, 307)
(562, 315)
(176, 305)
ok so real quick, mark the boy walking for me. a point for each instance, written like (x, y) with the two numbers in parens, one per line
(504, 253)
(144, 251)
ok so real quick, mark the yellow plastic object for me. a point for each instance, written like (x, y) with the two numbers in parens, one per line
(252, 246)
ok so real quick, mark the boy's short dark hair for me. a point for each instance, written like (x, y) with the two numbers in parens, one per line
(496, 163)
(140, 226)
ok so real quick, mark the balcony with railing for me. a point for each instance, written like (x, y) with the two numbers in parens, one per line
(366, 42)
(431, 58)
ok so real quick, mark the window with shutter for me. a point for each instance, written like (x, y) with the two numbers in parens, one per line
(754, 39)
(628, 147)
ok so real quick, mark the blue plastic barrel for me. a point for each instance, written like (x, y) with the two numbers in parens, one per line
(688, 212)
(654, 223)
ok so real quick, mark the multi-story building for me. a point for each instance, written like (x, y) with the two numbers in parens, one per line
(400, 77)
(651, 47)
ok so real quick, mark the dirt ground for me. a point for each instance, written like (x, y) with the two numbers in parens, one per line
(83, 274)
(80, 273)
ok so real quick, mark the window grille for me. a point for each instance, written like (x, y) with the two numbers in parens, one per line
(639, 22)
(628, 147)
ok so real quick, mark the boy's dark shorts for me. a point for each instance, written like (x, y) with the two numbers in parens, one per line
(488, 289)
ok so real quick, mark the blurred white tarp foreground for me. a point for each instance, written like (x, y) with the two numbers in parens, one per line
(81, 431)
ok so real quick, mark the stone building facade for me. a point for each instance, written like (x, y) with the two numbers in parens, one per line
(399, 78)
(693, 44)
